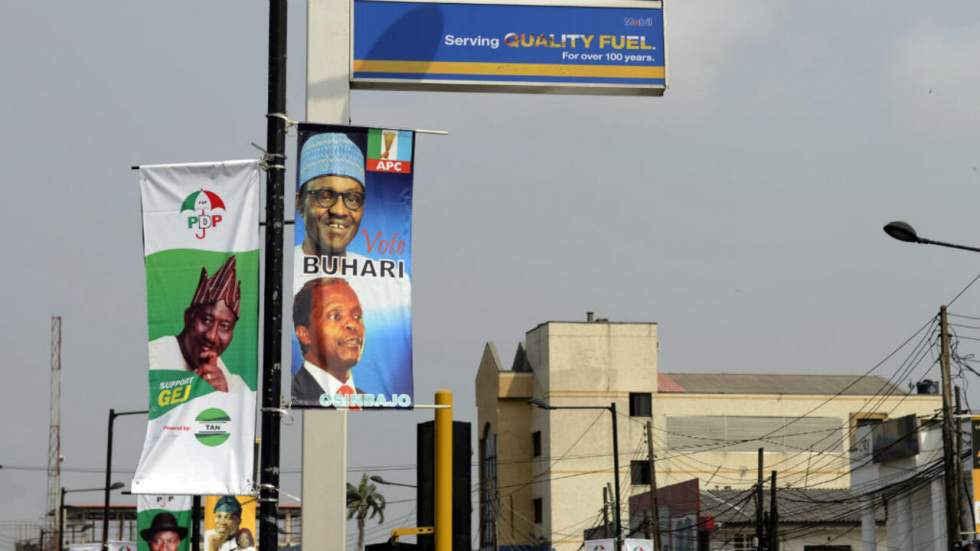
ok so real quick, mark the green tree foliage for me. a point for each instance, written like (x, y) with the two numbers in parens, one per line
(364, 501)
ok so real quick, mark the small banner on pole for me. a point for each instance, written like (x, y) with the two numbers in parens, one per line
(352, 266)
(163, 523)
(975, 470)
(201, 244)
(229, 523)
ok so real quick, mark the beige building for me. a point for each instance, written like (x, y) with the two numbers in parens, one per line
(543, 471)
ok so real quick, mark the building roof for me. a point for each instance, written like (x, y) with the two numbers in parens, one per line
(834, 506)
(773, 383)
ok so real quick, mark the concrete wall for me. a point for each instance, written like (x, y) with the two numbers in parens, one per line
(797, 538)
(586, 364)
(502, 407)
(819, 469)
(595, 364)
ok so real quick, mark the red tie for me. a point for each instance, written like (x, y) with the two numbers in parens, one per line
(348, 392)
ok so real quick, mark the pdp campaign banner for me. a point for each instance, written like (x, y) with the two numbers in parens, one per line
(112, 546)
(229, 523)
(201, 245)
(352, 267)
(163, 522)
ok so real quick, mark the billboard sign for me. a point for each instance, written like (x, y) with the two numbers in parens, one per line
(616, 47)
(352, 266)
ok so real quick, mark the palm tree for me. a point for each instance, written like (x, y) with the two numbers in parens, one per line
(361, 500)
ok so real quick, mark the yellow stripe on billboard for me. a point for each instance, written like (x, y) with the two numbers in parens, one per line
(506, 69)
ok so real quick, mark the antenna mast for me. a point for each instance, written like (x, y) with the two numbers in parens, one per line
(54, 438)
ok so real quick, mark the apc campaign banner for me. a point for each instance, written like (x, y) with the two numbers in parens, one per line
(200, 237)
(229, 523)
(352, 266)
(163, 523)
(614, 47)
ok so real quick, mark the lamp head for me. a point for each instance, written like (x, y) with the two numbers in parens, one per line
(378, 479)
(901, 231)
(116, 485)
(539, 403)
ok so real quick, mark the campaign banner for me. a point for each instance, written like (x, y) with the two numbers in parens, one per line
(614, 47)
(352, 267)
(607, 544)
(201, 245)
(163, 522)
(975, 469)
(113, 546)
(229, 523)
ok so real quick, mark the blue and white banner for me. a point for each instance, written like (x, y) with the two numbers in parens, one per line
(352, 267)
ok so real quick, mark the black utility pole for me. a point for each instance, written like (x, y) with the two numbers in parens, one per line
(759, 534)
(773, 517)
(949, 463)
(61, 521)
(654, 506)
(196, 523)
(619, 506)
(108, 471)
(272, 296)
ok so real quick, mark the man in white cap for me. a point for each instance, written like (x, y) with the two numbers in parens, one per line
(331, 194)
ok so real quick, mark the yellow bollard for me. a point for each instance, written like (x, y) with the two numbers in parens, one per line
(444, 471)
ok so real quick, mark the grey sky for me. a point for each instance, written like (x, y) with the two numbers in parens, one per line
(741, 211)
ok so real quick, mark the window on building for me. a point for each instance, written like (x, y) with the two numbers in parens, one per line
(640, 472)
(488, 490)
(742, 542)
(536, 443)
(538, 511)
(640, 404)
(862, 427)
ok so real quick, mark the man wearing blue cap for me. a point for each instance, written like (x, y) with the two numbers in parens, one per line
(331, 194)
(227, 518)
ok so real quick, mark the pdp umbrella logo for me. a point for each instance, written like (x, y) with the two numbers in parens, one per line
(202, 217)
(212, 427)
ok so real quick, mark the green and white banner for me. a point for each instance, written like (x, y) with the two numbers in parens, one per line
(201, 246)
(163, 523)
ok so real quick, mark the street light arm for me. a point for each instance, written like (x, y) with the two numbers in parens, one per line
(379, 480)
(904, 231)
(925, 241)
(539, 403)
(121, 413)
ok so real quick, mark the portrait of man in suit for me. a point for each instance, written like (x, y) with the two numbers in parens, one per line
(329, 326)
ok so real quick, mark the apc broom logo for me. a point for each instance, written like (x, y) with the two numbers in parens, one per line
(202, 204)
(212, 427)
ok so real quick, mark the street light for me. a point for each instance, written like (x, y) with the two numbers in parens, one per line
(379, 480)
(904, 231)
(611, 408)
(108, 472)
(952, 468)
(61, 507)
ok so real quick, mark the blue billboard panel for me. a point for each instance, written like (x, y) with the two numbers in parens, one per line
(616, 48)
